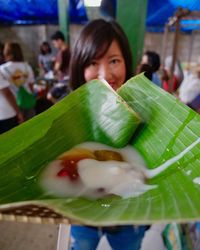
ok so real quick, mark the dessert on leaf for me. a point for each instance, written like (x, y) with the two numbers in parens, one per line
(139, 117)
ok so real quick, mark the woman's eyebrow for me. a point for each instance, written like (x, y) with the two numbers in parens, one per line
(114, 55)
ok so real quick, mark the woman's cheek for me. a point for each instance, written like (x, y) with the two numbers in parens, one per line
(89, 74)
(120, 74)
(123, 72)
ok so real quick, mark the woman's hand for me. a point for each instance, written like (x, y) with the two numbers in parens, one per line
(20, 117)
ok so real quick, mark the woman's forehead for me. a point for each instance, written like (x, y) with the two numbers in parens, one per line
(112, 46)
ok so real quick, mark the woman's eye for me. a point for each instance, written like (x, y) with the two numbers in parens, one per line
(93, 63)
(115, 61)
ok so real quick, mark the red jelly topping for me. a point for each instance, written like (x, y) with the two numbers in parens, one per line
(69, 162)
(70, 168)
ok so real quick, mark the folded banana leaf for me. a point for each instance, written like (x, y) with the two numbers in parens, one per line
(168, 136)
(92, 113)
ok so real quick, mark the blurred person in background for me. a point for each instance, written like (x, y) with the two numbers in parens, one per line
(153, 59)
(10, 115)
(189, 91)
(177, 77)
(61, 66)
(19, 77)
(45, 59)
(147, 69)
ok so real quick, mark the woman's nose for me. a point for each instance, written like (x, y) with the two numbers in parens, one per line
(104, 72)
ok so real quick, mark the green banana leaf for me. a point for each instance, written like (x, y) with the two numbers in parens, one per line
(92, 113)
(169, 131)
(170, 134)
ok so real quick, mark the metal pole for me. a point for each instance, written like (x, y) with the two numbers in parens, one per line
(164, 44)
(174, 54)
(63, 17)
(191, 42)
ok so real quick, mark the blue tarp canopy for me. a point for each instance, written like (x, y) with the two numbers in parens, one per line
(39, 11)
(46, 12)
(159, 11)
(28, 12)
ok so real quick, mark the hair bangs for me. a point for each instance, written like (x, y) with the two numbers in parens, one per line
(96, 46)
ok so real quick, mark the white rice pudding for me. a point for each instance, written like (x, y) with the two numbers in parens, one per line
(95, 177)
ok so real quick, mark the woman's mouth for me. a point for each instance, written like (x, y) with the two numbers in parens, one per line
(112, 84)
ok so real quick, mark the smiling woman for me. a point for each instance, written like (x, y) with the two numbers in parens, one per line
(102, 52)
(110, 67)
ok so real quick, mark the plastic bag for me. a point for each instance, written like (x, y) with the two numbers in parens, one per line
(25, 100)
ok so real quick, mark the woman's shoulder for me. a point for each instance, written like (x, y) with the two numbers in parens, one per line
(6, 65)
(11, 64)
(11, 67)
(6, 68)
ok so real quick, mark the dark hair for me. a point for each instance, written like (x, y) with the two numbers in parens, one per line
(2, 59)
(153, 60)
(13, 52)
(93, 42)
(42, 51)
(58, 35)
(1, 46)
(147, 69)
(65, 59)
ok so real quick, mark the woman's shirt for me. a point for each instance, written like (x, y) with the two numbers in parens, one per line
(17, 74)
(46, 61)
(13, 75)
(6, 110)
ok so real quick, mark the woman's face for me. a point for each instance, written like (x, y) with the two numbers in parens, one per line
(45, 48)
(145, 59)
(111, 67)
